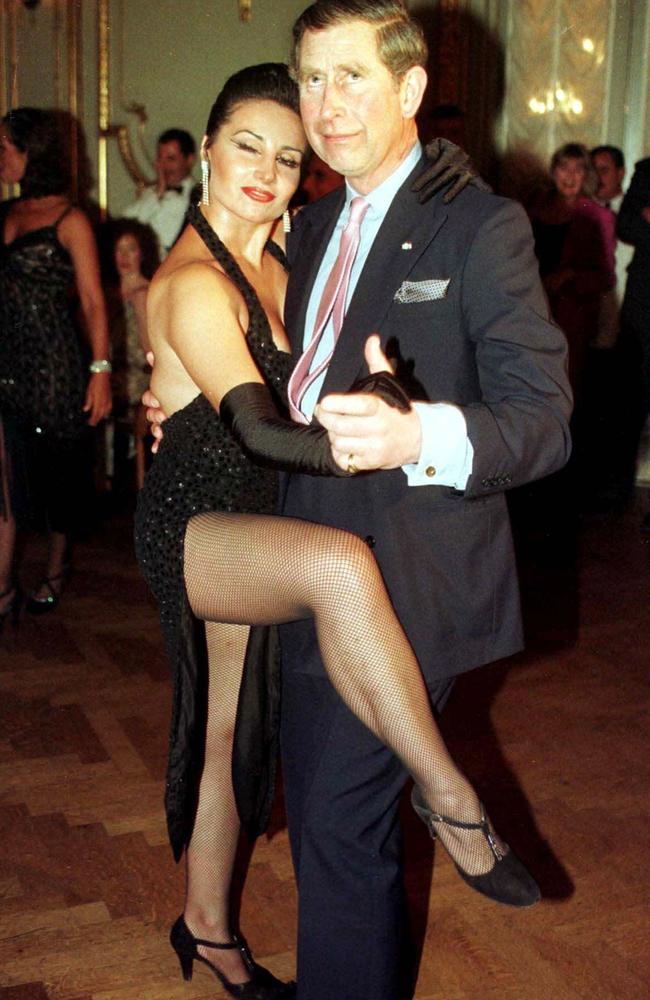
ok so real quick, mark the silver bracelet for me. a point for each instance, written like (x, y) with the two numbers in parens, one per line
(96, 367)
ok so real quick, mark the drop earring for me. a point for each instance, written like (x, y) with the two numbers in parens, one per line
(205, 177)
(286, 220)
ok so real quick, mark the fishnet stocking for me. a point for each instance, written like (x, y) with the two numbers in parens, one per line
(257, 570)
(211, 853)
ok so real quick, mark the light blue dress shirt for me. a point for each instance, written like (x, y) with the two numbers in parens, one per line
(446, 454)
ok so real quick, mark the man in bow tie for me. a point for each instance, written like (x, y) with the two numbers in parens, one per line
(453, 293)
(163, 205)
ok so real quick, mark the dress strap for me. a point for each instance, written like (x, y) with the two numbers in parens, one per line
(278, 253)
(223, 256)
(65, 211)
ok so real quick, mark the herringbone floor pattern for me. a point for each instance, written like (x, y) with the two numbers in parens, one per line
(556, 740)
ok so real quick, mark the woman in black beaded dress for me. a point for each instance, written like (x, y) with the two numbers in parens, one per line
(48, 398)
(217, 561)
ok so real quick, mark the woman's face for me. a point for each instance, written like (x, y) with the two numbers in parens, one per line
(569, 177)
(128, 256)
(12, 161)
(255, 160)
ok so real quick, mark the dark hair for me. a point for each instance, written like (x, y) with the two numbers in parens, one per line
(613, 151)
(37, 133)
(146, 240)
(264, 82)
(185, 141)
(400, 39)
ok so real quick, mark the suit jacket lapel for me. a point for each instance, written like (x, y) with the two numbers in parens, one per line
(387, 265)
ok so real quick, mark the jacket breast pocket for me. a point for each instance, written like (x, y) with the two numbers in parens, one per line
(426, 290)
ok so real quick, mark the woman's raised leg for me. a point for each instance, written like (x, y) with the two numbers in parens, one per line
(262, 570)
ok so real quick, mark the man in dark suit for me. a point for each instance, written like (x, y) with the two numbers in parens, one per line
(453, 292)
(633, 227)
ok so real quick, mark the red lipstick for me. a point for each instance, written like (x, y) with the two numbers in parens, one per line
(258, 194)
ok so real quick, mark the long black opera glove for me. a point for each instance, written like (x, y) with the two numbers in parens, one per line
(449, 165)
(248, 410)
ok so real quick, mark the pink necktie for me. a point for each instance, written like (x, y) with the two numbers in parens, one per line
(332, 304)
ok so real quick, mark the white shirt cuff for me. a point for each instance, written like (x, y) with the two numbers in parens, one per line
(446, 455)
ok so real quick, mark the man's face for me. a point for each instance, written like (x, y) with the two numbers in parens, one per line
(175, 166)
(610, 177)
(353, 110)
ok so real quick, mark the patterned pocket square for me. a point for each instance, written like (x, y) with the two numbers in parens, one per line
(422, 291)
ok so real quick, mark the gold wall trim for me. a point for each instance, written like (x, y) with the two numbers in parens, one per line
(72, 9)
(3, 57)
(107, 128)
(103, 95)
(8, 69)
(11, 16)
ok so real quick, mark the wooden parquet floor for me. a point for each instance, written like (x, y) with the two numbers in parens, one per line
(556, 740)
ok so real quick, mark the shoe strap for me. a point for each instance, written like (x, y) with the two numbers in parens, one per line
(483, 826)
(460, 824)
(223, 945)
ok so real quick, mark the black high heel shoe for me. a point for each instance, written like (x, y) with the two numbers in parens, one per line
(262, 985)
(508, 880)
(42, 605)
(12, 608)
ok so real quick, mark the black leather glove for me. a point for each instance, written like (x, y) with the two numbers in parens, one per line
(450, 165)
(386, 386)
(248, 410)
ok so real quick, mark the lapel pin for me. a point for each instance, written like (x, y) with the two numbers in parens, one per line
(407, 246)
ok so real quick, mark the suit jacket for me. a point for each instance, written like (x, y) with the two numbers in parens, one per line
(488, 346)
(633, 228)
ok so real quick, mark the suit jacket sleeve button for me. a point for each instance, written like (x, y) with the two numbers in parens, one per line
(370, 541)
(430, 471)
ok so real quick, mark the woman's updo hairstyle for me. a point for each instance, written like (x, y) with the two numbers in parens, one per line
(264, 82)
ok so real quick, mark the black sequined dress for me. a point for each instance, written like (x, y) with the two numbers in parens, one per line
(43, 379)
(200, 467)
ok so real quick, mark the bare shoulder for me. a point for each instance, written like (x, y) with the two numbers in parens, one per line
(196, 290)
(74, 222)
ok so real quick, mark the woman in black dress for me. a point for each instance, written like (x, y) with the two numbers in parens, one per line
(54, 381)
(218, 562)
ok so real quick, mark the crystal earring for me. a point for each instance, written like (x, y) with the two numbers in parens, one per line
(286, 220)
(205, 177)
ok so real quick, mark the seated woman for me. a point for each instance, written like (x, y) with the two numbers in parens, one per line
(217, 560)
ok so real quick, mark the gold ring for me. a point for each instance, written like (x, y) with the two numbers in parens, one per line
(352, 469)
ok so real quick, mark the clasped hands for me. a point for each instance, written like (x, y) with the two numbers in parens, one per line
(364, 432)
